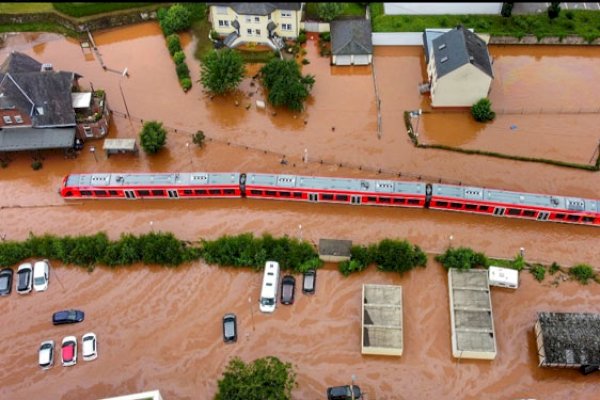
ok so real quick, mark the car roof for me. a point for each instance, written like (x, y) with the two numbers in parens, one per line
(87, 344)
(25, 266)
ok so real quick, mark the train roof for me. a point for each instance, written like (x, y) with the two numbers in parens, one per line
(177, 179)
(515, 198)
(355, 185)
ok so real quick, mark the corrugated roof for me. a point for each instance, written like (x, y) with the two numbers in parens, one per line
(22, 139)
(458, 47)
(258, 8)
(352, 36)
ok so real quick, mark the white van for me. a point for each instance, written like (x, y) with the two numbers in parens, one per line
(268, 293)
(503, 277)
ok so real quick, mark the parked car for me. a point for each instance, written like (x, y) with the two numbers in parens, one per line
(41, 276)
(46, 354)
(67, 317)
(89, 350)
(6, 278)
(229, 328)
(309, 281)
(69, 351)
(24, 278)
(288, 287)
(344, 392)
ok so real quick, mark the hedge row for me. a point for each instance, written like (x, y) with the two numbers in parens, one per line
(172, 20)
(389, 255)
(86, 9)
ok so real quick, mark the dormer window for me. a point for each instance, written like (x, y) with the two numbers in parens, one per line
(7, 119)
(18, 119)
(442, 46)
(40, 110)
(444, 59)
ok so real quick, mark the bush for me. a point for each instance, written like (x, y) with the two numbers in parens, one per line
(348, 267)
(583, 273)
(482, 111)
(198, 138)
(222, 71)
(176, 19)
(153, 137)
(554, 268)
(329, 11)
(173, 44)
(305, 61)
(285, 84)
(398, 256)
(186, 84)
(518, 263)
(553, 10)
(36, 165)
(302, 38)
(182, 70)
(325, 36)
(462, 258)
(179, 57)
(538, 272)
(214, 35)
(13, 252)
(569, 14)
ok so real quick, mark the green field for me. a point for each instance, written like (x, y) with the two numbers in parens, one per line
(25, 8)
(349, 10)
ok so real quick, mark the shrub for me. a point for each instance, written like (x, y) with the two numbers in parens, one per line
(302, 38)
(182, 70)
(482, 111)
(325, 36)
(36, 165)
(214, 35)
(198, 138)
(569, 14)
(554, 268)
(518, 263)
(398, 256)
(179, 57)
(462, 258)
(329, 11)
(173, 44)
(153, 137)
(176, 19)
(186, 84)
(583, 273)
(13, 252)
(305, 61)
(348, 267)
(507, 9)
(553, 10)
(538, 272)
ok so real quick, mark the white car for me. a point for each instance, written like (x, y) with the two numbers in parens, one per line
(69, 351)
(46, 354)
(89, 350)
(41, 276)
(24, 278)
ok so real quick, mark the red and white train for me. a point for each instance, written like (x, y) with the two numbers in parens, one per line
(313, 189)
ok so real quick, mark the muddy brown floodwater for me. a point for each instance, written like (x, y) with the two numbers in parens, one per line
(160, 328)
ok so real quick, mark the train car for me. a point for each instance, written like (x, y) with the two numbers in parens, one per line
(336, 190)
(151, 186)
(503, 203)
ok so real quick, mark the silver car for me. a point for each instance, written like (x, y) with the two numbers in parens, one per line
(24, 278)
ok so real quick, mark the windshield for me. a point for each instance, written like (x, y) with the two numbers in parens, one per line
(40, 280)
(267, 301)
(4, 282)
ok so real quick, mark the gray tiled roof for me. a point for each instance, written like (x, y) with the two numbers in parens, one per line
(258, 8)
(21, 139)
(461, 47)
(351, 36)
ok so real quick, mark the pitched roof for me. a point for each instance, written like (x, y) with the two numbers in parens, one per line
(258, 8)
(351, 36)
(458, 47)
(21, 139)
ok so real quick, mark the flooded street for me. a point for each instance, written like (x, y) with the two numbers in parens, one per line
(160, 328)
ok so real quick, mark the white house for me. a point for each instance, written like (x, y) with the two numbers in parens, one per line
(260, 23)
(351, 42)
(426, 8)
(459, 69)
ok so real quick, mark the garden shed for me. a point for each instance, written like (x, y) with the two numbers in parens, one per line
(351, 42)
(334, 250)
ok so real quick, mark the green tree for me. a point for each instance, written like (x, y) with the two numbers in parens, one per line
(179, 57)
(553, 10)
(222, 71)
(462, 258)
(178, 18)
(482, 111)
(199, 138)
(507, 7)
(398, 256)
(173, 44)
(153, 137)
(286, 85)
(329, 11)
(264, 378)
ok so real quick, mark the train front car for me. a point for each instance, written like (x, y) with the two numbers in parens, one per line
(336, 190)
(503, 203)
(70, 186)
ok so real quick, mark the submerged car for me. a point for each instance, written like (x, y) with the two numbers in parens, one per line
(344, 393)
(46, 354)
(24, 278)
(89, 351)
(41, 276)
(288, 287)
(6, 278)
(309, 281)
(69, 351)
(229, 328)
(67, 317)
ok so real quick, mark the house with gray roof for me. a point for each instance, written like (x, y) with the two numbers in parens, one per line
(259, 23)
(42, 109)
(351, 42)
(459, 68)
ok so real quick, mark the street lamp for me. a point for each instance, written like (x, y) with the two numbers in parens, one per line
(305, 155)
(450, 238)
(93, 151)
(125, 73)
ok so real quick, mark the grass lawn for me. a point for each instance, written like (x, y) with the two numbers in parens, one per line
(570, 22)
(37, 27)
(78, 10)
(24, 8)
(348, 10)
(201, 30)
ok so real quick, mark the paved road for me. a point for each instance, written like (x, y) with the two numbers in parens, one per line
(531, 8)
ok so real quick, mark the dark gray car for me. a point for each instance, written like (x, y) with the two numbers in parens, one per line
(67, 317)
(229, 328)
(6, 277)
(344, 393)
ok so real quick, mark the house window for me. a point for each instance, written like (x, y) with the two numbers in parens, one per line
(223, 23)
(286, 27)
(248, 19)
(87, 131)
(222, 10)
(249, 31)
(286, 14)
(257, 31)
(18, 119)
(7, 119)
(257, 19)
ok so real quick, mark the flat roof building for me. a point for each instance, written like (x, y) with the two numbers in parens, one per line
(382, 331)
(334, 250)
(471, 315)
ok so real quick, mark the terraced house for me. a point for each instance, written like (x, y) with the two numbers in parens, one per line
(260, 23)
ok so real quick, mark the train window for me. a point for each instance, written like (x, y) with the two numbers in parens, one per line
(513, 211)
(341, 197)
(529, 213)
(573, 218)
(199, 191)
(270, 193)
(188, 191)
(256, 192)
(85, 192)
(471, 206)
(99, 192)
(284, 194)
(588, 219)
(228, 191)
(441, 203)
(483, 208)
(456, 205)
(113, 193)
(413, 201)
(158, 192)
(399, 201)
(371, 198)
(68, 193)
(143, 193)
(325, 196)
(214, 191)
(298, 194)
(384, 199)
(559, 216)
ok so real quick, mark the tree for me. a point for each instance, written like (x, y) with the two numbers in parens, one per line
(178, 18)
(329, 11)
(222, 71)
(198, 138)
(286, 85)
(398, 256)
(462, 258)
(507, 8)
(554, 10)
(482, 111)
(173, 44)
(264, 378)
(153, 137)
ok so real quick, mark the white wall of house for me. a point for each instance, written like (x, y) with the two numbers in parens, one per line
(462, 87)
(362, 59)
(441, 8)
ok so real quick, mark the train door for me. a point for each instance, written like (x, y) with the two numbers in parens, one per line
(355, 199)
(314, 197)
(499, 211)
(173, 194)
(129, 194)
(543, 216)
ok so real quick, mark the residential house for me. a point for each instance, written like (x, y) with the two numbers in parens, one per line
(43, 109)
(260, 23)
(459, 69)
(351, 42)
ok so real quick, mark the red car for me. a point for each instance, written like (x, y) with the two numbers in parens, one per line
(69, 351)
